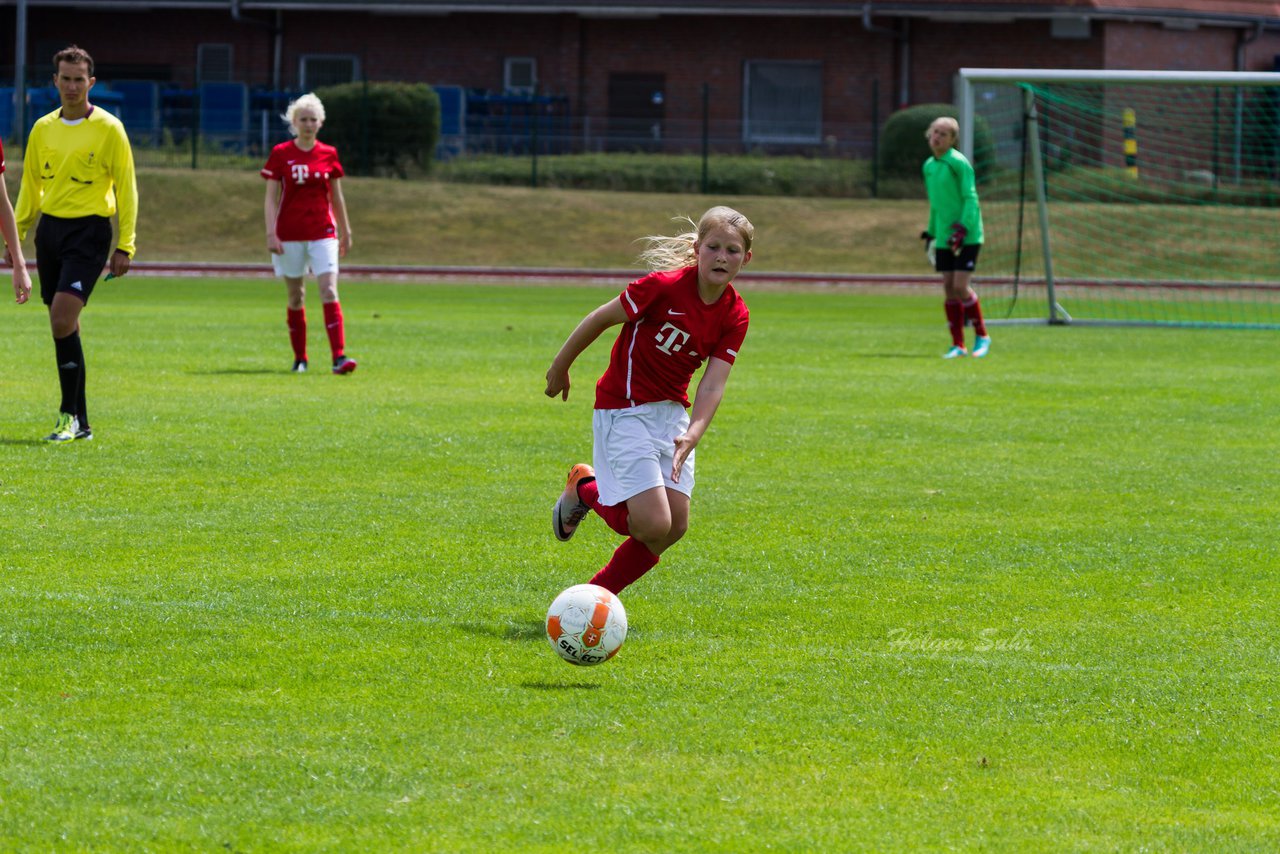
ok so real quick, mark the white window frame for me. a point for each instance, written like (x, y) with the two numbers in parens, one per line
(750, 134)
(512, 67)
(202, 51)
(312, 57)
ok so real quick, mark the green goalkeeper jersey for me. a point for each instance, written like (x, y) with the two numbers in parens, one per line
(953, 197)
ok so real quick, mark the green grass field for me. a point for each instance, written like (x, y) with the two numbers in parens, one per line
(1023, 603)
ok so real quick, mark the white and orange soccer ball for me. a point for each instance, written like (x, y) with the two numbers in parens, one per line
(586, 624)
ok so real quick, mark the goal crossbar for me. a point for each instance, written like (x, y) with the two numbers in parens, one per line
(1156, 193)
(967, 77)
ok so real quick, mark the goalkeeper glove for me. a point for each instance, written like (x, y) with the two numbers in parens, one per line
(956, 240)
(929, 247)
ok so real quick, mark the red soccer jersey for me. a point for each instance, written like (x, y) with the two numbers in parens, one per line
(669, 333)
(305, 211)
(1, 157)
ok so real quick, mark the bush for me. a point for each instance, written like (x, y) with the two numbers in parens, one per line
(669, 173)
(382, 128)
(903, 147)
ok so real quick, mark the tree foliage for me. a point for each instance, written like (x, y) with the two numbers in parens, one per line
(903, 147)
(382, 128)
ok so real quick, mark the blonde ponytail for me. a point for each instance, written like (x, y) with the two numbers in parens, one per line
(673, 252)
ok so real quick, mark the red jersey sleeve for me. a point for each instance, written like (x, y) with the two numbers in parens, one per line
(735, 332)
(639, 295)
(1, 158)
(275, 168)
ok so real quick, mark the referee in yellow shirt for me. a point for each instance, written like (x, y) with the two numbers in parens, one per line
(76, 175)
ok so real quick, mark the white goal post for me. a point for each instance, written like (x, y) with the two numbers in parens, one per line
(1127, 196)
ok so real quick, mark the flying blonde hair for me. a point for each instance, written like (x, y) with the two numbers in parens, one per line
(671, 252)
(308, 101)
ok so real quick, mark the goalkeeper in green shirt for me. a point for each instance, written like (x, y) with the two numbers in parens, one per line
(955, 229)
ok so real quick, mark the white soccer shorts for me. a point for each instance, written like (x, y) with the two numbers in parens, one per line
(320, 256)
(634, 450)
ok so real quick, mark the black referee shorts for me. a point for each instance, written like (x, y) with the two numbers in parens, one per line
(70, 254)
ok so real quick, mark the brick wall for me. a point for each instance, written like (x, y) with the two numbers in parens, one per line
(1148, 46)
(575, 55)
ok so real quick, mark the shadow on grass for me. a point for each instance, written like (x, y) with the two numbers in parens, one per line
(891, 356)
(525, 631)
(238, 371)
(39, 443)
(528, 630)
(560, 686)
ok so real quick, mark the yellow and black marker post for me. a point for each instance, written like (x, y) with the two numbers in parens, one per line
(1131, 142)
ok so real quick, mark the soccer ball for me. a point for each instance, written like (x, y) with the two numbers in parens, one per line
(586, 624)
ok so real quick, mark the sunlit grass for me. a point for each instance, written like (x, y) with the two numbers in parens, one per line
(1020, 603)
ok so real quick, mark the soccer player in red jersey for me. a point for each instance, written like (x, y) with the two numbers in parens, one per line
(12, 245)
(678, 317)
(307, 226)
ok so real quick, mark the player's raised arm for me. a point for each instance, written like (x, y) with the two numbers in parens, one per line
(588, 330)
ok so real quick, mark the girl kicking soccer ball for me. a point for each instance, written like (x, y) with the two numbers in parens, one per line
(684, 313)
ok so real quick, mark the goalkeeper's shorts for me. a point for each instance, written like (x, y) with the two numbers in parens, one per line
(966, 261)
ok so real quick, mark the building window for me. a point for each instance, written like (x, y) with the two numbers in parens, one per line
(783, 102)
(318, 69)
(1069, 28)
(519, 75)
(213, 63)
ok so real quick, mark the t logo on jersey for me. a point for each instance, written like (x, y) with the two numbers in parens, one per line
(671, 339)
(300, 172)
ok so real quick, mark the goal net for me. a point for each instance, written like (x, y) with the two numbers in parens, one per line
(1138, 197)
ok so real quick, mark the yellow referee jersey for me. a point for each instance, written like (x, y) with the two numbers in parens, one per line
(79, 168)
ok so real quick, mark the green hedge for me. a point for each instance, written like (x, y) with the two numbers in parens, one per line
(747, 175)
(904, 149)
(382, 128)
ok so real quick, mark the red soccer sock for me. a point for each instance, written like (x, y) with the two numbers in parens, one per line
(333, 325)
(616, 516)
(955, 321)
(631, 560)
(297, 320)
(973, 314)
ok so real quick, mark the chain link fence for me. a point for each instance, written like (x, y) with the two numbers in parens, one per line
(233, 125)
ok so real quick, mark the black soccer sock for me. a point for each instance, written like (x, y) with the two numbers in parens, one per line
(82, 409)
(70, 372)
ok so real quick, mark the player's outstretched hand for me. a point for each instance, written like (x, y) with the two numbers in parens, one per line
(558, 383)
(684, 447)
(21, 278)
